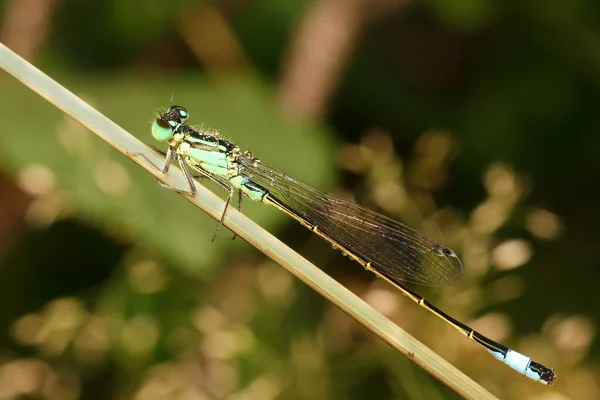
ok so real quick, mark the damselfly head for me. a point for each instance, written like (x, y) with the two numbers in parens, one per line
(176, 114)
(166, 124)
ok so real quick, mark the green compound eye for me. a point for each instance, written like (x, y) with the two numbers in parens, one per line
(162, 130)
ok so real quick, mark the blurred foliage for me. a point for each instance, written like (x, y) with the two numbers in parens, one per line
(472, 120)
(98, 182)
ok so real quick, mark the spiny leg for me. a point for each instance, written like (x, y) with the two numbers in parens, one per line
(230, 189)
(168, 159)
(184, 169)
(169, 154)
(186, 172)
(203, 174)
(147, 159)
(223, 215)
(223, 183)
(239, 208)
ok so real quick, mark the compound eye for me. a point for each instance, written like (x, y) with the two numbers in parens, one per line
(162, 129)
(177, 113)
(183, 113)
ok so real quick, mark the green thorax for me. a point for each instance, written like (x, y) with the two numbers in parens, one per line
(208, 152)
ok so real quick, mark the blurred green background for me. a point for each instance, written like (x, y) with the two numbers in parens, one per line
(474, 121)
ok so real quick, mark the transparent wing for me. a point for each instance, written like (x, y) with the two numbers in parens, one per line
(393, 249)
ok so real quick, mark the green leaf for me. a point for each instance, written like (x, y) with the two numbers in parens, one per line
(102, 186)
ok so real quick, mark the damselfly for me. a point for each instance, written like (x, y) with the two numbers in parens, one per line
(389, 249)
